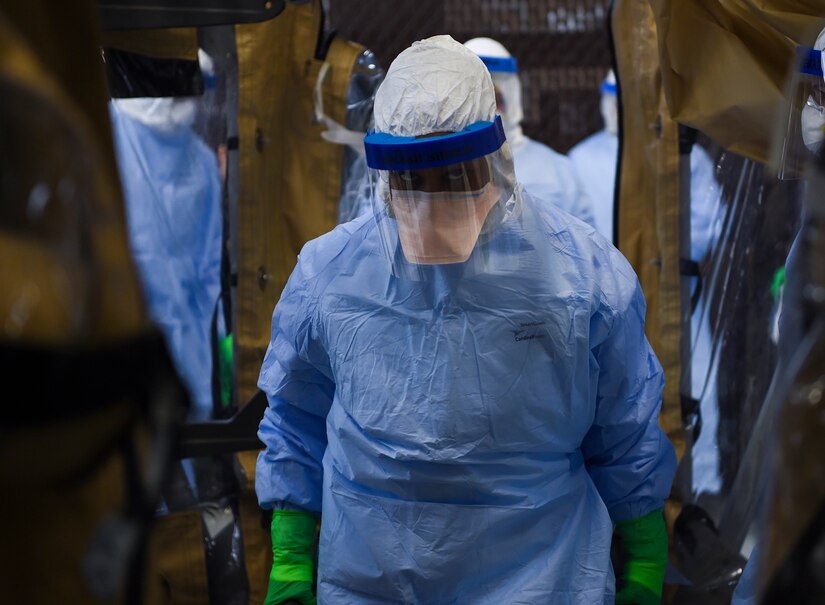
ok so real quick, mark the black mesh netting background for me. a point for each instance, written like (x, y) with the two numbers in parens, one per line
(562, 48)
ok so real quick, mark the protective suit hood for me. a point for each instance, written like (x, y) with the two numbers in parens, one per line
(405, 104)
(507, 85)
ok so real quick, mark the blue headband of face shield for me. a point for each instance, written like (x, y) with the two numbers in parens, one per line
(809, 61)
(388, 152)
(608, 88)
(500, 64)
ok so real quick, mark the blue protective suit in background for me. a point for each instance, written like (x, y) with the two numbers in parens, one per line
(172, 193)
(595, 163)
(550, 176)
(468, 438)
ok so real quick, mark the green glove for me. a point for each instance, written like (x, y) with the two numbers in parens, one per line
(644, 541)
(293, 542)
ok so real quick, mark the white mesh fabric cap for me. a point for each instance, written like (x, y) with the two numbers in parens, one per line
(436, 85)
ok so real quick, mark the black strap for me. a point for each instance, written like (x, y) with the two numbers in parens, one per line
(132, 75)
(687, 138)
(691, 415)
(690, 268)
(218, 411)
(233, 143)
(70, 382)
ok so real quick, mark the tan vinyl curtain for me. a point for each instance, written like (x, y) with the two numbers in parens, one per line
(726, 64)
(290, 182)
(719, 67)
(290, 177)
(49, 58)
(175, 43)
(51, 51)
(649, 193)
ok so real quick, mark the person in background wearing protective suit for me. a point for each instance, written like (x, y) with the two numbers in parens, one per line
(459, 381)
(545, 173)
(594, 160)
(172, 190)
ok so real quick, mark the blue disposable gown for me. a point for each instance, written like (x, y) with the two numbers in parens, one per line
(550, 176)
(172, 192)
(469, 438)
(594, 162)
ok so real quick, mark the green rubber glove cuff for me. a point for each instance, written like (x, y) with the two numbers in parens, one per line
(645, 543)
(635, 594)
(293, 541)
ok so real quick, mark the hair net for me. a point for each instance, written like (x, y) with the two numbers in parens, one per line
(436, 85)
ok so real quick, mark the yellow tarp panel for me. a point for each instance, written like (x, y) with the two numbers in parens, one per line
(719, 67)
(290, 177)
(725, 64)
(289, 188)
(177, 43)
(50, 63)
(649, 194)
(49, 52)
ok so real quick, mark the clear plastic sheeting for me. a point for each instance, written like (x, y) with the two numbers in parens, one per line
(803, 134)
(792, 548)
(367, 75)
(736, 300)
(171, 154)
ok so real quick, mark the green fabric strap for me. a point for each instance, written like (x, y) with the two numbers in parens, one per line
(225, 369)
(293, 540)
(645, 543)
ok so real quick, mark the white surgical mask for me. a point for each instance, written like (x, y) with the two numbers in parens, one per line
(813, 122)
(443, 227)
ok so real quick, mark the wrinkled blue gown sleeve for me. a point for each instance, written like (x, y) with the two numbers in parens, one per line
(298, 384)
(628, 456)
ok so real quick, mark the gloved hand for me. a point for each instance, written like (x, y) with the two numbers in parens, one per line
(644, 541)
(293, 540)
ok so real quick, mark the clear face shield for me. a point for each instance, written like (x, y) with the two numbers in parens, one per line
(507, 85)
(439, 199)
(805, 124)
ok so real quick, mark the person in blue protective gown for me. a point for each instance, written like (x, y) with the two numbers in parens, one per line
(459, 382)
(544, 172)
(172, 194)
(595, 159)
